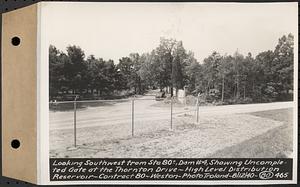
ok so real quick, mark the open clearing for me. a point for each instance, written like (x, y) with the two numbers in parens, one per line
(222, 131)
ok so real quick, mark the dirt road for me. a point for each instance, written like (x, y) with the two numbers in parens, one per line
(117, 112)
(106, 130)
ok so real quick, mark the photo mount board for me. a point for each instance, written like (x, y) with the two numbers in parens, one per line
(19, 94)
(21, 110)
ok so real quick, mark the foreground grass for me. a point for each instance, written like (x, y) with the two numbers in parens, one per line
(156, 139)
(277, 142)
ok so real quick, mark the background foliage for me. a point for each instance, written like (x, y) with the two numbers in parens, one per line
(219, 78)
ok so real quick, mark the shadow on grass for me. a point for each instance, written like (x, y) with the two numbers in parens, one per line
(283, 115)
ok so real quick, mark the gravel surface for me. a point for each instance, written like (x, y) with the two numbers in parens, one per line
(156, 139)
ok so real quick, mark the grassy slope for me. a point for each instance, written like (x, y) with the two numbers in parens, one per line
(277, 142)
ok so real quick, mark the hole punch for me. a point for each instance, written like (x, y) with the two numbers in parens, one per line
(15, 144)
(16, 41)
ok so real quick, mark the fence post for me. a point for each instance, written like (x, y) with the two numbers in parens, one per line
(171, 113)
(197, 115)
(75, 108)
(132, 117)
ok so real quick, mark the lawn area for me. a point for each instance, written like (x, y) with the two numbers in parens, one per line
(277, 142)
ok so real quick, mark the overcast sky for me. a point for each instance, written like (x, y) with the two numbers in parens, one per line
(111, 30)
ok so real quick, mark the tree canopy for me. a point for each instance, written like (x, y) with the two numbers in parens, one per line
(219, 78)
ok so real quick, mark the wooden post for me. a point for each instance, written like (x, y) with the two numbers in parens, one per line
(171, 113)
(132, 117)
(75, 108)
(197, 115)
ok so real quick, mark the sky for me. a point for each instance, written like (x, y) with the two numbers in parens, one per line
(114, 30)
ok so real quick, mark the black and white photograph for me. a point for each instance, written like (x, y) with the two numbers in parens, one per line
(172, 80)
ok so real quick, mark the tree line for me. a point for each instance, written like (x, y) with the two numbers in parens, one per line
(169, 67)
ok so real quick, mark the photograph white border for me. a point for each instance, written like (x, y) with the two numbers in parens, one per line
(43, 115)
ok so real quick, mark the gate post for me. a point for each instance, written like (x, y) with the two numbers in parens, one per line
(197, 115)
(75, 108)
(171, 112)
(132, 117)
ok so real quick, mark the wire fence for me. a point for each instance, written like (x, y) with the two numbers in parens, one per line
(134, 112)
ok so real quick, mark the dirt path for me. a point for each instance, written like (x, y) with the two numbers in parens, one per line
(145, 110)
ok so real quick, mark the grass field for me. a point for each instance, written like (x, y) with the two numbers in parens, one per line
(220, 133)
(277, 142)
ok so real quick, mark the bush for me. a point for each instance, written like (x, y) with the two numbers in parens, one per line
(245, 100)
(214, 94)
(191, 100)
(218, 103)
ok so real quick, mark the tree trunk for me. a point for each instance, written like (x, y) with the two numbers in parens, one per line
(234, 90)
(206, 90)
(223, 83)
(244, 91)
(140, 86)
(253, 91)
(237, 87)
